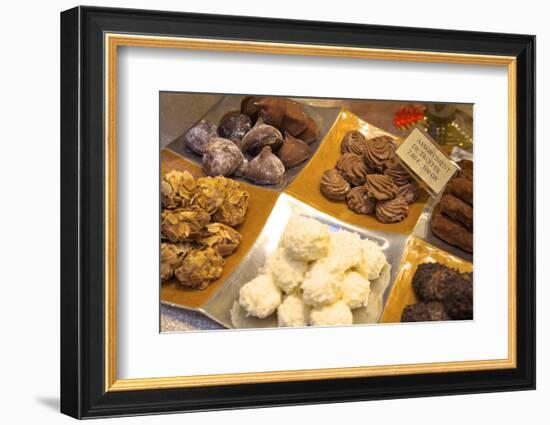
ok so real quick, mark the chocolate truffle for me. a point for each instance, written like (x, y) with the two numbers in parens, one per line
(241, 169)
(391, 211)
(422, 312)
(431, 279)
(261, 135)
(458, 298)
(221, 158)
(359, 202)
(380, 187)
(353, 168)
(353, 142)
(309, 135)
(295, 119)
(266, 168)
(293, 151)
(272, 110)
(378, 151)
(334, 186)
(249, 107)
(198, 136)
(234, 126)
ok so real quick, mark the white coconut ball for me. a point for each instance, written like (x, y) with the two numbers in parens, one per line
(305, 239)
(347, 248)
(287, 272)
(355, 290)
(321, 284)
(337, 313)
(293, 311)
(260, 297)
(372, 260)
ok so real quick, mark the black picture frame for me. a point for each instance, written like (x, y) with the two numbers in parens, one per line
(82, 212)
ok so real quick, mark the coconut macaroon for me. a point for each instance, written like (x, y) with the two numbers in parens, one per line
(305, 239)
(260, 297)
(337, 313)
(320, 285)
(293, 311)
(346, 248)
(287, 272)
(355, 290)
(372, 261)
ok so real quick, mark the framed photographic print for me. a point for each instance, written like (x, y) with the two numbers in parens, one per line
(261, 212)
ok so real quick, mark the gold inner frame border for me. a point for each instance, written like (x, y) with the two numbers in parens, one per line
(112, 41)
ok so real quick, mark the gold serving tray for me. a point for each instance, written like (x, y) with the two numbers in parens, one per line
(306, 186)
(260, 204)
(416, 252)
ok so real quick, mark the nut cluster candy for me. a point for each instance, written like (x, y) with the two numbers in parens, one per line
(199, 267)
(171, 257)
(197, 226)
(176, 189)
(370, 178)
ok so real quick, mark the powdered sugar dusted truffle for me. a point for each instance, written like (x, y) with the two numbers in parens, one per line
(221, 157)
(260, 297)
(305, 239)
(333, 314)
(355, 290)
(198, 137)
(266, 168)
(293, 311)
(287, 272)
(234, 126)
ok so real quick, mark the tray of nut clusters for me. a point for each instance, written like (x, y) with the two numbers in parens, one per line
(277, 213)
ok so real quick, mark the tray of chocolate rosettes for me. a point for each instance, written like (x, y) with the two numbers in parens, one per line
(278, 213)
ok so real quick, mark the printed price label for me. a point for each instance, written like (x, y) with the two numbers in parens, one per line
(424, 158)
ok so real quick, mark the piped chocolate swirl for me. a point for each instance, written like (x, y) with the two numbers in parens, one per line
(334, 186)
(378, 151)
(380, 187)
(353, 168)
(392, 211)
(397, 172)
(353, 142)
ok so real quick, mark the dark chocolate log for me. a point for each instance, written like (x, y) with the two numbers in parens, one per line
(458, 210)
(464, 189)
(466, 169)
(451, 231)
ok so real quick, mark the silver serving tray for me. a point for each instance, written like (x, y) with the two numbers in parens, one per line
(324, 117)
